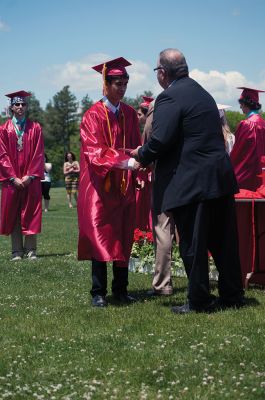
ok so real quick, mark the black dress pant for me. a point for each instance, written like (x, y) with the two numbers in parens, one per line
(210, 225)
(99, 278)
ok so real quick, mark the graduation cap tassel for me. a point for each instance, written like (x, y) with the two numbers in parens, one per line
(123, 183)
(104, 73)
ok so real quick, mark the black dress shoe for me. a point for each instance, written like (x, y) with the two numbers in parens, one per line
(238, 303)
(154, 293)
(187, 308)
(99, 301)
(124, 298)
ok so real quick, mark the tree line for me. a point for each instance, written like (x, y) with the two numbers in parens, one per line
(61, 119)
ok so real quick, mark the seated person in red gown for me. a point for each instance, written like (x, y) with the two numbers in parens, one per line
(249, 147)
(144, 187)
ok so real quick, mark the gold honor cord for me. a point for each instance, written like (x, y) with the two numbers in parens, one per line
(107, 183)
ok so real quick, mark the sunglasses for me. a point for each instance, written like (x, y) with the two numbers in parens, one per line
(20, 104)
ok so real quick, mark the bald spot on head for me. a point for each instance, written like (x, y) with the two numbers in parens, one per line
(174, 62)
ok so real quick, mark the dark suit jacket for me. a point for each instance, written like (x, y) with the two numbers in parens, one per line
(188, 146)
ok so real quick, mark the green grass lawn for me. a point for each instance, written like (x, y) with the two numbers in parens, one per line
(54, 345)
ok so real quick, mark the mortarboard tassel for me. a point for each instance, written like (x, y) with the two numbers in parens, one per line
(104, 73)
(123, 184)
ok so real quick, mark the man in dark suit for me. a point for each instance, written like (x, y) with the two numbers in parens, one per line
(194, 180)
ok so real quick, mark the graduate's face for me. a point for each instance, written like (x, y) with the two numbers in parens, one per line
(19, 110)
(141, 116)
(116, 90)
(244, 108)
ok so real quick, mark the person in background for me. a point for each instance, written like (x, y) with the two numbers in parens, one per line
(21, 171)
(194, 180)
(106, 202)
(144, 179)
(143, 110)
(249, 148)
(229, 137)
(46, 183)
(71, 170)
(164, 234)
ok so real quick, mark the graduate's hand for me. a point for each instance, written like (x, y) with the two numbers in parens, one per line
(136, 166)
(134, 153)
(18, 184)
(26, 180)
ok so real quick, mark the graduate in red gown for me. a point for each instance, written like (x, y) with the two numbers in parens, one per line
(249, 147)
(106, 202)
(144, 188)
(21, 171)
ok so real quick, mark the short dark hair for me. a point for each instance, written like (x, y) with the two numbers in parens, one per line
(251, 104)
(174, 63)
(69, 152)
(111, 78)
(46, 158)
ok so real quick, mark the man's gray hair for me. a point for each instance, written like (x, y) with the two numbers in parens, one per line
(174, 63)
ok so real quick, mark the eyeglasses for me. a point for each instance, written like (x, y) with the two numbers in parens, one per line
(20, 104)
(160, 67)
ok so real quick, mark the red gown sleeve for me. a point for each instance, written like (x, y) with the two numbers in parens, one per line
(36, 164)
(6, 168)
(98, 154)
(244, 144)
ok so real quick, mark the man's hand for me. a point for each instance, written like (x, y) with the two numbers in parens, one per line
(18, 184)
(140, 184)
(134, 153)
(26, 180)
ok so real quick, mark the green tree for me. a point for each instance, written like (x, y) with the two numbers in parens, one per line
(61, 118)
(34, 111)
(86, 103)
(233, 119)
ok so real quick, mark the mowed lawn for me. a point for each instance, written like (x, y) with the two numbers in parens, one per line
(54, 345)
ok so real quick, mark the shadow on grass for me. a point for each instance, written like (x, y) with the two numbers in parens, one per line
(249, 302)
(53, 255)
(141, 295)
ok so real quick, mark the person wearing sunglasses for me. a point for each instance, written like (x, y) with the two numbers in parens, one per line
(194, 179)
(21, 171)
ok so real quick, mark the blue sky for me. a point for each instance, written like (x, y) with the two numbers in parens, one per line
(46, 45)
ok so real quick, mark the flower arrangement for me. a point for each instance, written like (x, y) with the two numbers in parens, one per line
(143, 256)
(143, 247)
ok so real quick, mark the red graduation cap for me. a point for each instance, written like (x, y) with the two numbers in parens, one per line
(114, 67)
(20, 93)
(146, 102)
(252, 94)
(18, 97)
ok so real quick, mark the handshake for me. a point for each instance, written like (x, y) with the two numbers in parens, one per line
(134, 155)
(133, 162)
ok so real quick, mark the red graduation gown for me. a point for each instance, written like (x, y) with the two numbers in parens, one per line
(143, 202)
(106, 217)
(13, 163)
(248, 149)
